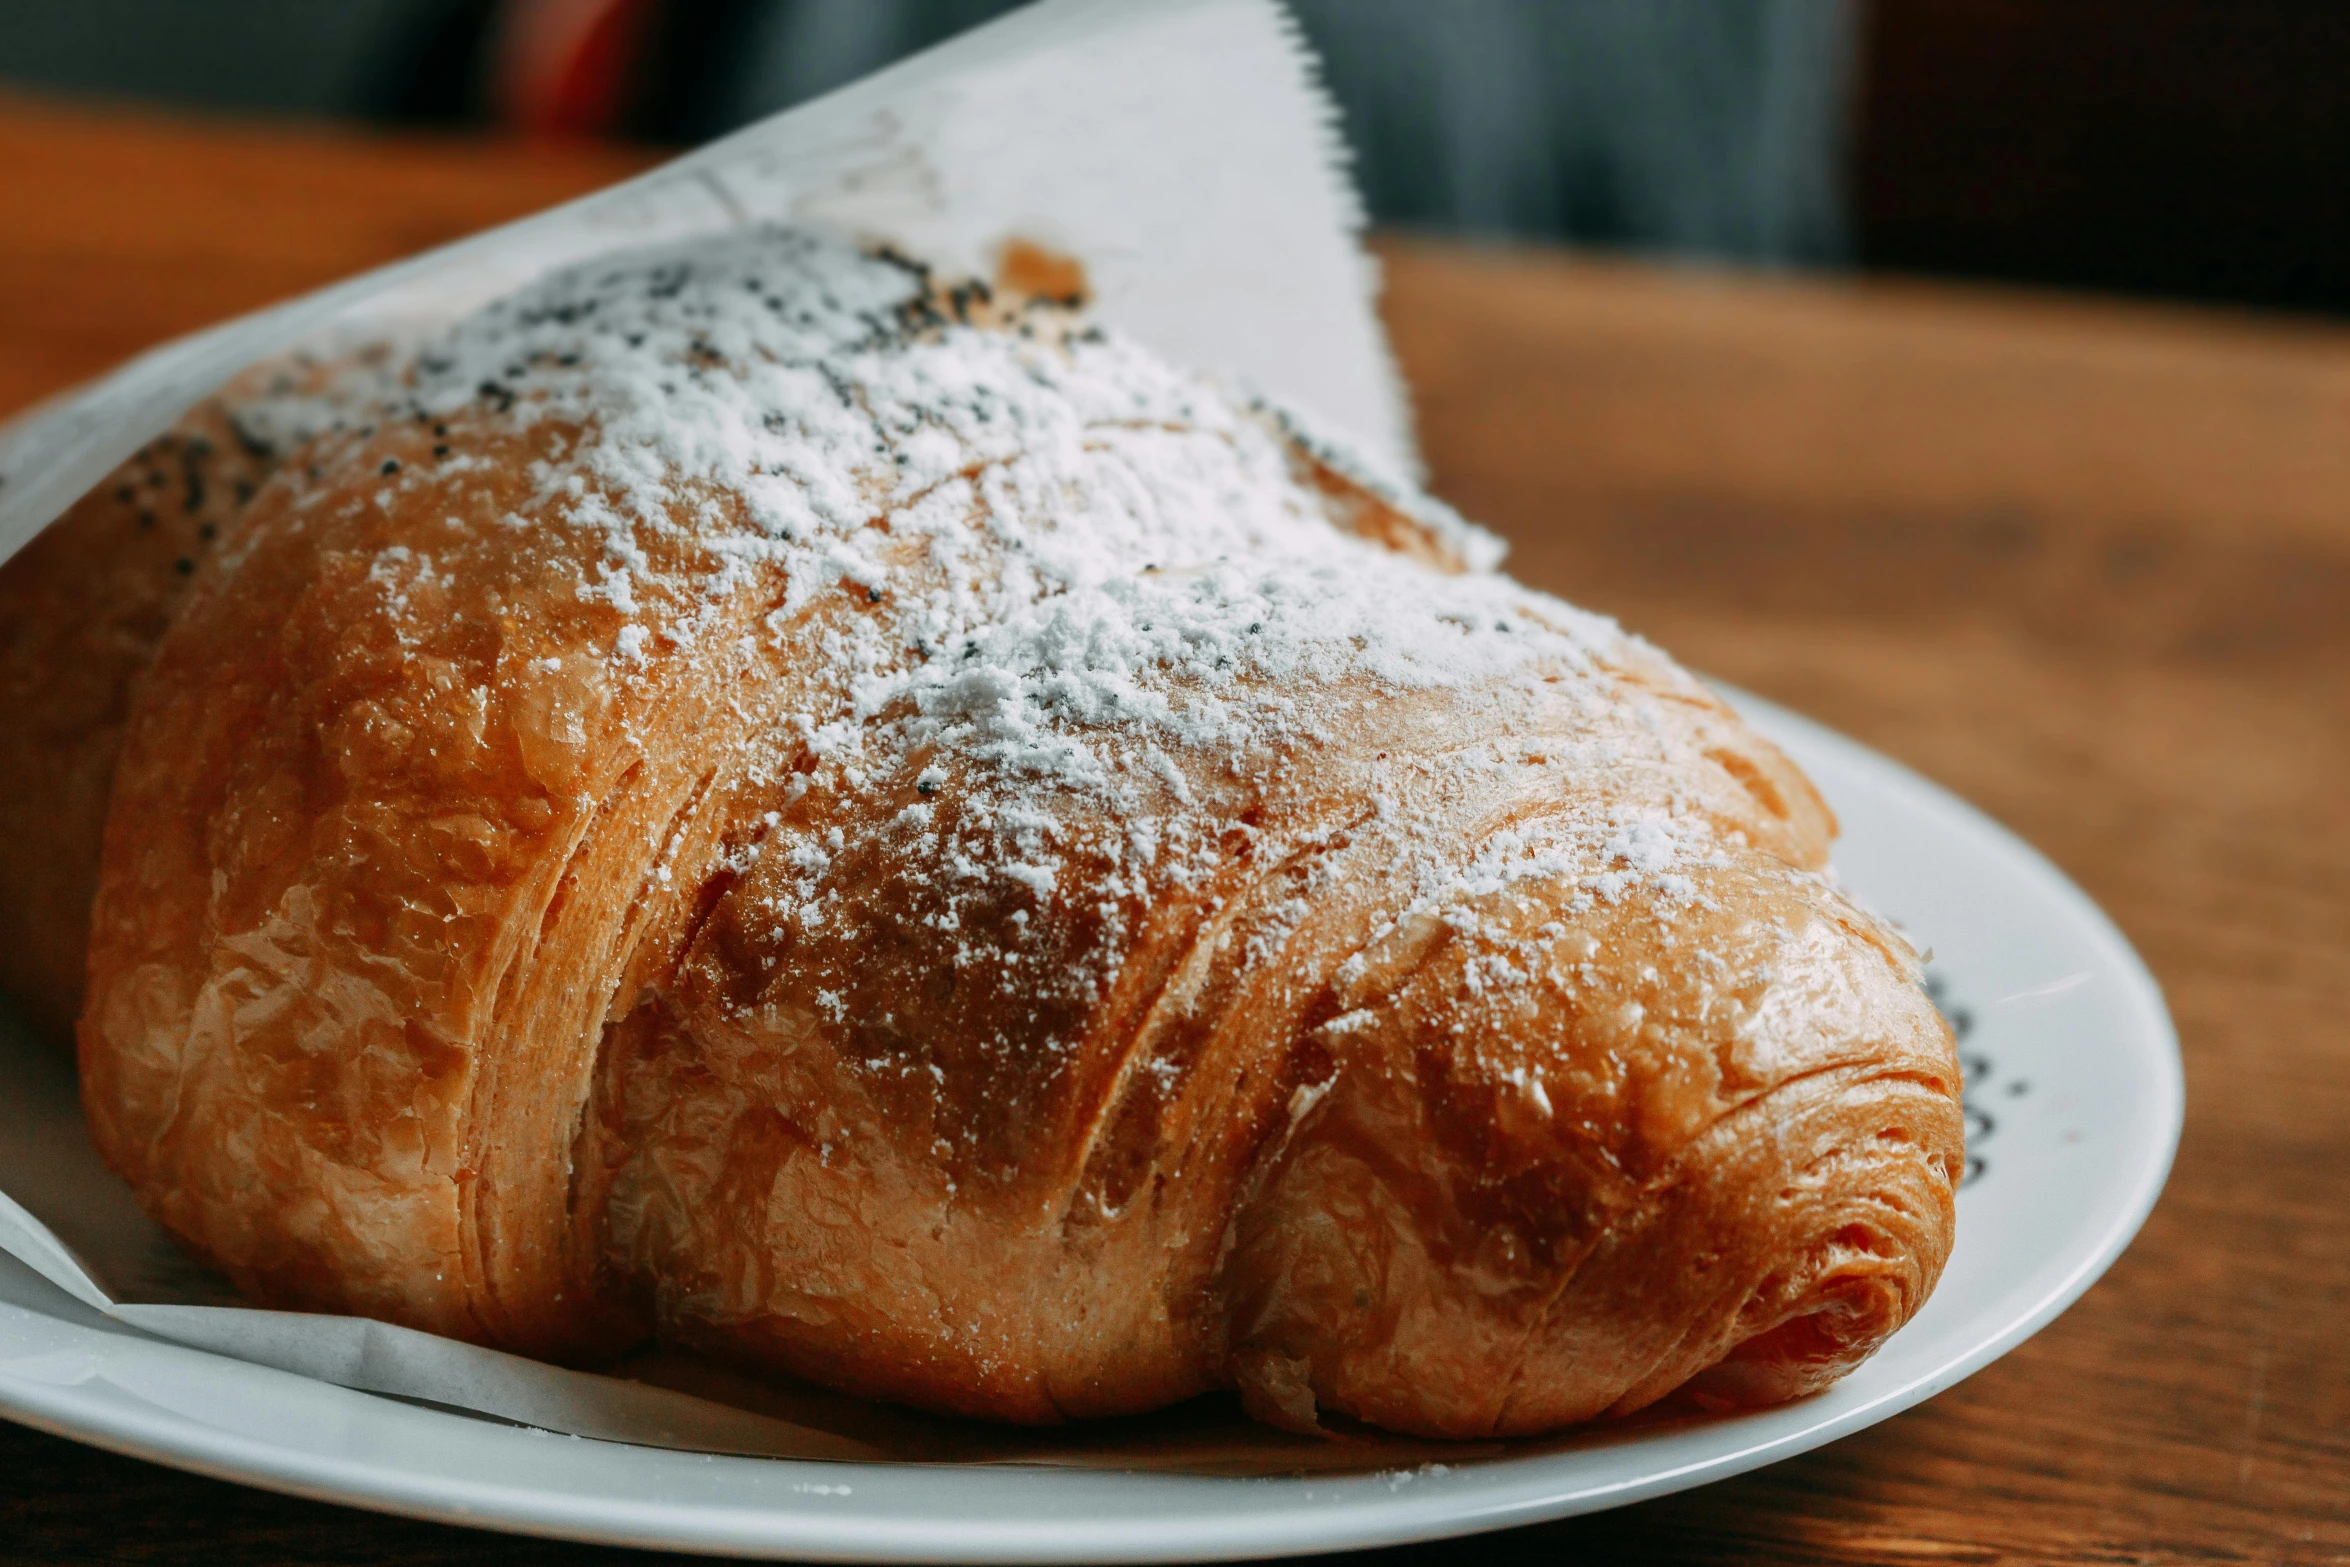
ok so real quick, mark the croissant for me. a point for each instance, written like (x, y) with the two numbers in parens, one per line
(867, 825)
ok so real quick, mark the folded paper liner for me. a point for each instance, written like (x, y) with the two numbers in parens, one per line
(1182, 153)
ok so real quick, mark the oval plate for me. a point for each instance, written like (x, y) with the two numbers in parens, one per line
(2072, 1085)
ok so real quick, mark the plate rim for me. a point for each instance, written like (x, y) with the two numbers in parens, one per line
(1283, 1519)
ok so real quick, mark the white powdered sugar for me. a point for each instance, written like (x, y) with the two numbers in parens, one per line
(1075, 570)
(1637, 850)
(278, 408)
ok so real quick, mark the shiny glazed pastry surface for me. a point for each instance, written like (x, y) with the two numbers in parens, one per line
(878, 830)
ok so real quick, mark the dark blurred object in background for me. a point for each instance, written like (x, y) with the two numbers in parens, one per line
(1697, 127)
(1705, 127)
(317, 57)
(2184, 147)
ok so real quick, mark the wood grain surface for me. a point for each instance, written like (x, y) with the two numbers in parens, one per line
(2088, 565)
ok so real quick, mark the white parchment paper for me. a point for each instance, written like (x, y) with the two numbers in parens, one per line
(1181, 151)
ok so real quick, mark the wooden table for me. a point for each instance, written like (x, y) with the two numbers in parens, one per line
(2089, 565)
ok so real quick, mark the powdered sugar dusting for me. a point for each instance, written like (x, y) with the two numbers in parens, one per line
(283, 405)
(1035, 564)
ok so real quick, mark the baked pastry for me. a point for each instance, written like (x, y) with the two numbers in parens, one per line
(872, 827)
(81, 609)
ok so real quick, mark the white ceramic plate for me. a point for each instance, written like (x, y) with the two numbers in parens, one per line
(2074, 1098)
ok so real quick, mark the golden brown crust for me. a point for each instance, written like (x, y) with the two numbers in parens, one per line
(495, 943)
(81, 609)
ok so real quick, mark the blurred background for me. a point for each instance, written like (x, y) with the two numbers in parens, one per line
(2183, 148)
